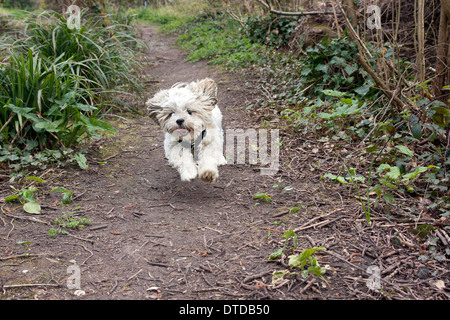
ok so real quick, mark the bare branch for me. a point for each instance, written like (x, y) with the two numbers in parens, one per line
(299, 13)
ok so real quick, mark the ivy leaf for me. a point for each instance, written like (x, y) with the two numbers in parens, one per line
(306, 71)
(363, 90)
(416, 130)
(81, 160)
(394, 173)
(389, 198)
(405, 150)
(322, 67)
(350, 69)
(333, 93)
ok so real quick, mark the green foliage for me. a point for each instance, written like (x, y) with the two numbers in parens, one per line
(219, 40)
(101, 55)
(269, 30)
(287, 235)
(42, 103)
(342, 110)
(25, 245)
(331, 64)
(68, 221)
(57, 84)
(263, 196)
(26, 197)
(21, 159)
(66, 194)
(306, 259)
(153, 16)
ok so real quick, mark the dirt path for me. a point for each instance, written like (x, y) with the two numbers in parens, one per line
(154, 237)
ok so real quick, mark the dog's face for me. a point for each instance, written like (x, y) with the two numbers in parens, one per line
(185, 109)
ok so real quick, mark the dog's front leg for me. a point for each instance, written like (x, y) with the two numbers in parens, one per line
(210, 158)
(182, 159)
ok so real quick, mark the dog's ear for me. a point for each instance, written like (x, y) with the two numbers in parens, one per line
(154, 105)
(208, 88)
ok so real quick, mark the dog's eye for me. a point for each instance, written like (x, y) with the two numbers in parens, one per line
(171, 114)
(189, 111)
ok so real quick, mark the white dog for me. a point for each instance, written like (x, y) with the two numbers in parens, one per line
(192, 123)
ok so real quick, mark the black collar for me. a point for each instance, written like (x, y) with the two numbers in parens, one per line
(193, 145)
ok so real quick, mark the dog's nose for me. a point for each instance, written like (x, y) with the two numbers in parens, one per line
(180, 122)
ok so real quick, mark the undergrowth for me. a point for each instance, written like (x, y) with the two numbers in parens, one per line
(58, 83)
(218, 39)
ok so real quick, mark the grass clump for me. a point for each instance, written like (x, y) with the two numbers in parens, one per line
(57, 84)
(68, 221)
(217, 39)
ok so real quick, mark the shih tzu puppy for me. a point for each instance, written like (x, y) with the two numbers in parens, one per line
(192, 124)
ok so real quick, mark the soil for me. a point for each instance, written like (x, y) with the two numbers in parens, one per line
(155, 237)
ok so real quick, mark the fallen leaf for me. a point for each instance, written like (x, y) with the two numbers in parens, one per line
(439, 284)
(204, 253)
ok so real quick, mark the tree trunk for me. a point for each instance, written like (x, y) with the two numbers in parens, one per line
(442, 70)
(420, 36)
(350, 10)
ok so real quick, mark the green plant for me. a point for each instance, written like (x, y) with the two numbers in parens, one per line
(68, 221)
(57, 84)
(269, 30)
(25, 245)
(218, 40)
(264, 196)
(26, 197)
(19, 159)
(66, 194)
(391, 178)
(153, 16)
(41, 104)
(101, 55)
(305, 259)
(287, 235)
(433, 252)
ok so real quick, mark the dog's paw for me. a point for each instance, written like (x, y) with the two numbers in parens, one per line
(188, 174)
(209, 175)
(222, 160)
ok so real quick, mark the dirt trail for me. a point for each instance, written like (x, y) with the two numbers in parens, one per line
(155, 237)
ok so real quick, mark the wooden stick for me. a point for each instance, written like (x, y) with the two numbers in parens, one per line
(31, 285)
(299, 13)
(28, 255)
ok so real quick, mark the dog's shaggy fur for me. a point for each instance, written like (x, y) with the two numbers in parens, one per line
(192, 123)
